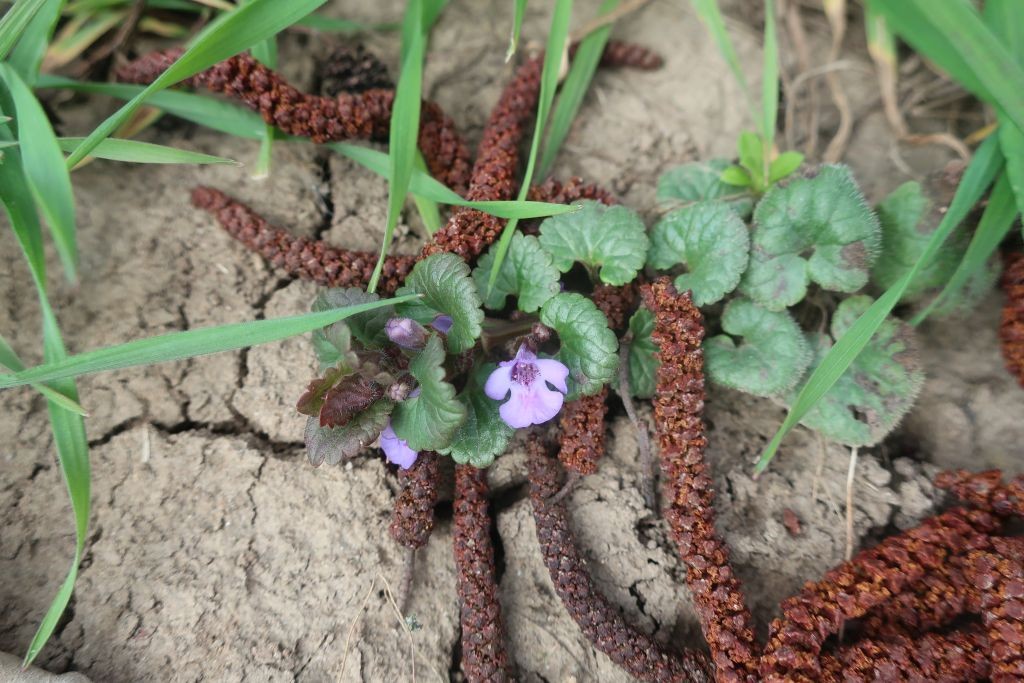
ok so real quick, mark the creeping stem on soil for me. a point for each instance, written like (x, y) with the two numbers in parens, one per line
(484, 657)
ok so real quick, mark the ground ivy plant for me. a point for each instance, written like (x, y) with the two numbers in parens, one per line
(782, 266)
(437, 374)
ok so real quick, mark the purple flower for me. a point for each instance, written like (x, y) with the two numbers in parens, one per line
(527, 377)
(397, 450)
(442, 323)
(406, 332)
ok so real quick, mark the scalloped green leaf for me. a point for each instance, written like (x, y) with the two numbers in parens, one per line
(527, 273)
(428, 420)
(445, 283)
(710, 240)
(484, 435)
(589, 348)
(612, 238)
(367, 327)
(770, 359)
(909, 218)
(879, 387)
(643, 360)
(335, 444)
(702, 180)
(814, 227)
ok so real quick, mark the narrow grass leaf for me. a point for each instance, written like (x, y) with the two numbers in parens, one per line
(234, 120)
(14, 22)
(977, 178)
(1006, 19)
(67, 425)
(189, 344)
(206, 111)
(44, 167)
(429, 212)
(953, 35)
(134, 151)
(9, 359)
(995, 223)
(558, 35)
(230, 34)
(265, 52)
(404, 131)
(517, 28)
(67, 48)
(574, 88)
(711, 15)
(28, 53)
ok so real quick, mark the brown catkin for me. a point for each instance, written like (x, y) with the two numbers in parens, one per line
(582, 432)
(999, 574)
(867, 581)
(309, 259)
(351, 68)
(364, 115)
(688, 487)
(572, 190)
(601, 623)
(1011, 329)
(955, 656)
(986, 491)
(483, 634)
(412, 518)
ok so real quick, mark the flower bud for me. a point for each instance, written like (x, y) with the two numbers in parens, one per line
(406, 332)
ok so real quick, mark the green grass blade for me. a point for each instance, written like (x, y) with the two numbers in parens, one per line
(711, 15)
(576, 84)
(188, 344)
(67, 425)
(993, 227)
(234, 120)
(206, 111)
(769, 86)
(1006, 19)
(14, 22)
(230, 34)
(426, 207)
(9, 359)
(404, 131)
(517, 28)
(134, 151)
(558, 35)
(47, 175)
(265, 52)
(987, 162)
(953, 35)
(28, 53)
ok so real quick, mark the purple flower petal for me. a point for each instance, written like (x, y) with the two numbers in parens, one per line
(525, 380)
(397, 450)
(442, 323)
(406, 332)
(554, 373)
(532, 407)
(499, 383)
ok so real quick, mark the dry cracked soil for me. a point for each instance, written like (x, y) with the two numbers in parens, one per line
(217, 553)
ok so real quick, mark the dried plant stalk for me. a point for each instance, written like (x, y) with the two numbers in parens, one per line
(601, 623)
(483, 634)
(348, 116)
(412, 518)
(309, 259)
(688, 487)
